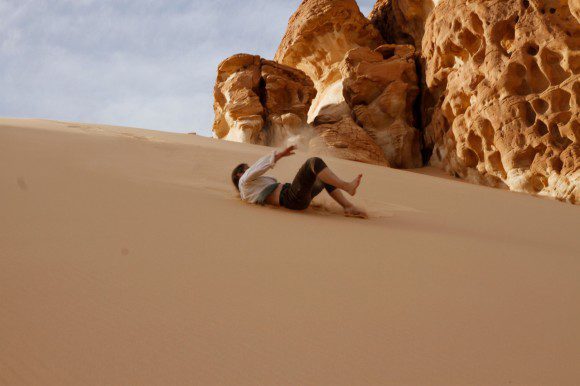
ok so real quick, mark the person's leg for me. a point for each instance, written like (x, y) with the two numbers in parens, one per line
(327, 176)
(306, 184)
(336, 194)
(349, 208)
(319, 186)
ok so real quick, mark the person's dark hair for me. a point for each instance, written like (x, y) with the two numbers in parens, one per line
(235, 175)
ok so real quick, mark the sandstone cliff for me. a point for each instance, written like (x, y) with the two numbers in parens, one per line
(503, 94)
(487, 90)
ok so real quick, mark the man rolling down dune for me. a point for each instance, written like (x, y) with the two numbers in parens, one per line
(311, 179)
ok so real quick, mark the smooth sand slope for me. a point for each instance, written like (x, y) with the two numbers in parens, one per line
(126, 259)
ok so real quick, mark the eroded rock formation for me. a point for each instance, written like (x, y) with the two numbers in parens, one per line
(260, 101)
(380, 87)
(504, 92)
(319, 35)
(500, 89)
(345, 139)
(402, 21)
(333, 43)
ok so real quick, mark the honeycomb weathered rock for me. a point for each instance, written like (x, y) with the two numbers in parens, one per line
(503, 96)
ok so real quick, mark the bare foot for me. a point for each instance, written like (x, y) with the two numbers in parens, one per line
(353, 211)
(352, 186)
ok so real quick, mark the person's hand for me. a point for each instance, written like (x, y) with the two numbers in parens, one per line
(286, 152)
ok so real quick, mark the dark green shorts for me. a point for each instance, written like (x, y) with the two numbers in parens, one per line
(299, 194)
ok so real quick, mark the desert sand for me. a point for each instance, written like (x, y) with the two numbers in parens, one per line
(127, 259)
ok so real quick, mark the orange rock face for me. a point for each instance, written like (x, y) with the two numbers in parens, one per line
(239, 114)
(319, 35)
(260, 101)
(380, 87)
(401, 21)
(333, 43)
(503, 95)
(263, 102)
(500, 79)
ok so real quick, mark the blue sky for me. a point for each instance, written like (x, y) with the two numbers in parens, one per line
(141, 63)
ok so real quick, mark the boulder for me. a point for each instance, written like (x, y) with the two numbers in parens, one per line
(503, 97)
(337, 134)
(380, 88)
(260, 101)
(239, 114)
(345, 139)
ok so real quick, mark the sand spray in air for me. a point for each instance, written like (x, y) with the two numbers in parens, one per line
(301, 139)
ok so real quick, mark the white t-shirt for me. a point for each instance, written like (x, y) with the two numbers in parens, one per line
(252, 182)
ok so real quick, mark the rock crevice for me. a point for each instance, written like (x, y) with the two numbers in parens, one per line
(401, 21)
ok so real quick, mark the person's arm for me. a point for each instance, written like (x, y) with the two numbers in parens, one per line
(265, 163)
(284, 153)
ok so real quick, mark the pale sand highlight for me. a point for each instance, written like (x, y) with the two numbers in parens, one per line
(126, 258)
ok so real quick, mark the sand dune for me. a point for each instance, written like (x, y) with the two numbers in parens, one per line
(126, 258)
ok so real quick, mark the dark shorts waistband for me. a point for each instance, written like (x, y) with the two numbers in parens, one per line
(266, 192)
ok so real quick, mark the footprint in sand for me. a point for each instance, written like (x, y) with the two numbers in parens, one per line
(385, 209)
(21, 182)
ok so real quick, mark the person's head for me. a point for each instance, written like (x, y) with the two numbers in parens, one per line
(237, 173)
